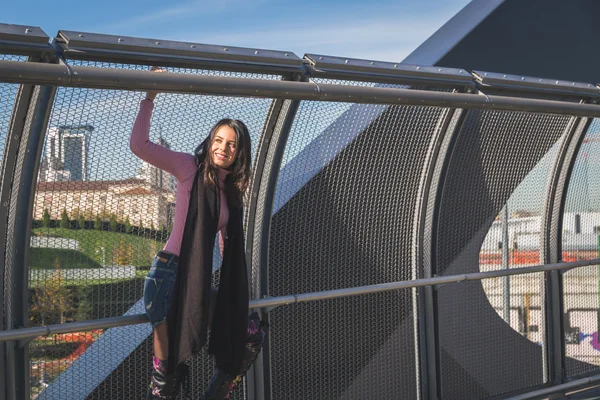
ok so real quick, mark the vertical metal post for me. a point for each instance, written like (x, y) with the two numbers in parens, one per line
(274, 139)
(425, 253)
(13, 141)
(506, 282)
(30, 154)
(552, 244)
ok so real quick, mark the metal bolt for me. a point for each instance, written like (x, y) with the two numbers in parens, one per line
(27, 30)
(158, 43)
(225, 49)
(522, 78)
(81, 35)
(557, 82)
(193, 47)
(119, 40)
(5, 204)
(320, 58)
(505, 76)
(418, 67)
(439, 70)
(346, 62)
(395, 65)
(256, 52)
(286, 54)
(372, 63)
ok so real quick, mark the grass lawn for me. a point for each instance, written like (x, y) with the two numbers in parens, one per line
(98, 248)
(44, 258)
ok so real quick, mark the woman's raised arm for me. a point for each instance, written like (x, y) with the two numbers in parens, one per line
(180, 165)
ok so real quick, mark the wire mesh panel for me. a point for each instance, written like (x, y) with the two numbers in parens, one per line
(100, 216)
(343, 217)
(581, 241)
(494, 153)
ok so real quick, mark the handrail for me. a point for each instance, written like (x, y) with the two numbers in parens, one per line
(270, 302)
(578, 384)
(108, 78)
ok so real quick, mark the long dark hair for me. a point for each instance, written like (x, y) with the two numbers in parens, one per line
(239, 170)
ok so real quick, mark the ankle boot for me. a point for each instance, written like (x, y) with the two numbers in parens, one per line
(162, 386)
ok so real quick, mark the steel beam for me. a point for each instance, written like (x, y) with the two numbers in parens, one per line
(13, 139)
(106, 78)
(23, 40)
(554, 206)
(30, 153)
(424, 262)
(124, 49)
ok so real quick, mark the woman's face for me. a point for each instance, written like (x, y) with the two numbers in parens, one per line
(223, 149)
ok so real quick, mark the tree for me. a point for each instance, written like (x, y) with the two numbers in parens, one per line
(53, 300)
(64, 220)
(84, 305)
(81, 221)
(123, 255)
(112, 222)
(98, 223)
(46, 219)
(128, 228)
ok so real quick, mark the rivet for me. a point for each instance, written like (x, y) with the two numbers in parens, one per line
(557, 82)
(5, 204)
(320, 58)
(573, 83)
(540, 80)
(395, 65)
(27, 30)
(119, 40)
(485, 74)
(372, 63)
(439, 70)
(505, 76)
(418, 67)
(225, 49)
(81, 35)
(522, 78)
(193, 47)
(287, 54)
(346, 62)
(158, 43)
(256, 52)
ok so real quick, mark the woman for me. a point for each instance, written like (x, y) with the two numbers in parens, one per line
(177, 293)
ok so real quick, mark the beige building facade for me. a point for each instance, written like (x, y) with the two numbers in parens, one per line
(134, 198)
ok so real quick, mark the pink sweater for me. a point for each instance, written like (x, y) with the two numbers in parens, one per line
(182, 166)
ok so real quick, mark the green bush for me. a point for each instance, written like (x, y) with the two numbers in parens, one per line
(64, 220)
(46, 219)
(98, 223)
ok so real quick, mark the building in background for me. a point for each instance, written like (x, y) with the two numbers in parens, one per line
(135, 199)
(66, 154)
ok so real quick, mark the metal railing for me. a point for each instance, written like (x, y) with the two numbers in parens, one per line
(302, 81)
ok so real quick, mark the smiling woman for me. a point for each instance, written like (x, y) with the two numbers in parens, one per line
(178, 297)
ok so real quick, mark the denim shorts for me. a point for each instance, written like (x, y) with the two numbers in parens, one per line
(159, 286)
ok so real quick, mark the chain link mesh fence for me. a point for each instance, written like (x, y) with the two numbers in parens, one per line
(344, 206)
(581, 241)
(497, 156)
(100, 216)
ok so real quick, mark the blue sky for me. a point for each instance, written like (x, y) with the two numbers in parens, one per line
(378, 30)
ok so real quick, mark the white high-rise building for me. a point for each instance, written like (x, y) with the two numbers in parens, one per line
(66, 154)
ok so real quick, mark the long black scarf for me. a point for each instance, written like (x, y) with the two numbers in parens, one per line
(188, 317)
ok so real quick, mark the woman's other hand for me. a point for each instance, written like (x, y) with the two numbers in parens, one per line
(151, 95)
